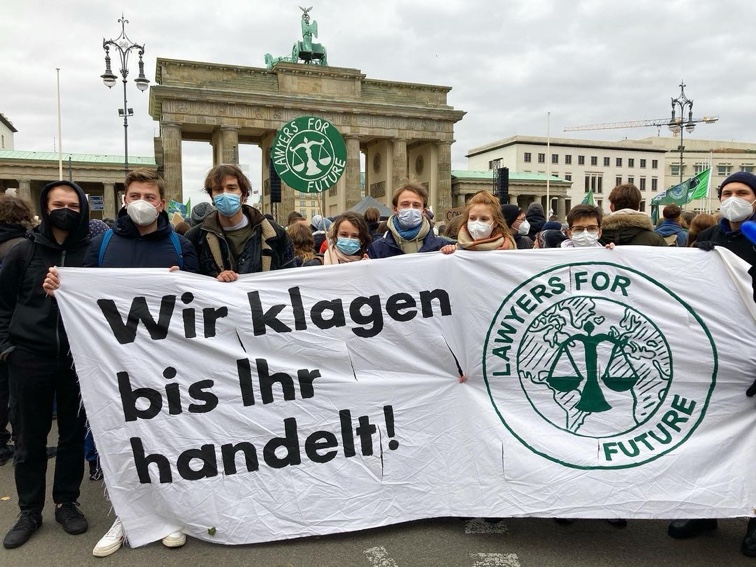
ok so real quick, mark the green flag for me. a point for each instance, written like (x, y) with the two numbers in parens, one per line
(588, 200)
(694, 188)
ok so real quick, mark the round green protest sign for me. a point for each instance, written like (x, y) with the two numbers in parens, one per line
(309, 154)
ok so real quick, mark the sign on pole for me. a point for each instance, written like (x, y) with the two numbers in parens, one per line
(309, 154)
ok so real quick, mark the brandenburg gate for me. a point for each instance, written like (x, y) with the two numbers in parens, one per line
(405, 130)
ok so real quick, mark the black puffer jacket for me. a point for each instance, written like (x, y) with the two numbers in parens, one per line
(734, 240)
(279, 247)
(129, 249)
(28, 317)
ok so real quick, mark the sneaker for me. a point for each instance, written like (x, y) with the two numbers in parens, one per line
(111, 541)
(72, 520)
(6, 453)
(28, 522)
(175, 539)
(95, 472)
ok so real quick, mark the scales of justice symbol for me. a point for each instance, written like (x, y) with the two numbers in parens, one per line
(312, 158)
(592, 398)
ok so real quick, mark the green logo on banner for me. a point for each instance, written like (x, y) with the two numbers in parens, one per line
(580, 366)
(309, 154)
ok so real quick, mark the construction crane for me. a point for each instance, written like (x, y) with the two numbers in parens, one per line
(658, 122)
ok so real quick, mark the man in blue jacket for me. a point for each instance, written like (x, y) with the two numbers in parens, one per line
(671, 229)
(142, 237)
(409, 229)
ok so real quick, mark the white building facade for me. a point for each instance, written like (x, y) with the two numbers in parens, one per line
(6, 133)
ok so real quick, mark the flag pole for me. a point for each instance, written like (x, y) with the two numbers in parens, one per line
(548, 164)
(60, 140)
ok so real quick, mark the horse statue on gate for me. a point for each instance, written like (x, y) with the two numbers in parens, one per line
(306, 50)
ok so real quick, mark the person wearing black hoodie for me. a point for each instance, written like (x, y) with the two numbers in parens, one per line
(34, 344)
(536, 217)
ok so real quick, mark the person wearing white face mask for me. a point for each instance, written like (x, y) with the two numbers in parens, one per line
(584, 228)
(485, 228)
(737, 196)
(409, 230)
(518, 226)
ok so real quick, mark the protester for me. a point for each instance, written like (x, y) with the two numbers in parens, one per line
(451, 230)
(16, 219)
(409, 230)
(320, 226)
(536, 218)
(737, 196)
(236, 238)
(686, 218)
(142, 237)
(97, 227)
(671, 229)
(550, 238)
(295, 216)
(626, 224)
(373, 219)
(484, 228)
(584, 228)
(199, 212)
(34, 344)
(699, 223)
(518, 226)
(303, 242)
(182, 228)
(349, 239)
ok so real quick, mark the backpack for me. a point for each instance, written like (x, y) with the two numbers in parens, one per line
(671, 240)
(109, 234)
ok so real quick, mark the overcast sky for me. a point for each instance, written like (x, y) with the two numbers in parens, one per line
(509, 62)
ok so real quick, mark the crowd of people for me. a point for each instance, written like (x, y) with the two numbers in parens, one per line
(228, 237)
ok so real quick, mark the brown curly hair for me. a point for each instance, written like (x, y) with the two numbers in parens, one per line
(15, 210)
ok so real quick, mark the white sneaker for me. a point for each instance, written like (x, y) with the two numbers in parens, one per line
(175, 539)
(111, 541)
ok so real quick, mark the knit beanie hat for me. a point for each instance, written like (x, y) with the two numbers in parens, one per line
(510, 212)
(199, 212)
(552, 225)
(739, 177)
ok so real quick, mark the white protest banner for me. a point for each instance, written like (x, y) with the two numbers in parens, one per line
(319, 400)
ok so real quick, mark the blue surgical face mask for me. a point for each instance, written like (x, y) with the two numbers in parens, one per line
(349, 246)
(228, 204)
(409, 218)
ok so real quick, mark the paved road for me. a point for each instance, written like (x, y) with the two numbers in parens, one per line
(514, 542)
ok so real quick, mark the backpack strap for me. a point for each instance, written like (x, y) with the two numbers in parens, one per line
(177, 245)
(107, 235)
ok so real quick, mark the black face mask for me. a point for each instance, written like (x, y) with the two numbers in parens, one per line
(64, 219)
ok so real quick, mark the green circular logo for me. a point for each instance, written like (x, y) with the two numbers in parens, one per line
(309, 154)
(579, 363)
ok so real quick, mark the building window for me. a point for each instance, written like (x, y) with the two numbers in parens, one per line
(600, 204)
(643, 163)
(568, 176)
(642, 184)
(674, 169)
(607, 161)
(494, 164)
(528, 157)
(643, 206)
(594, 182)
(568, 159)
(302, 204)
(631, 180)
(541, 158)
(630, 162)
(698, 168)
(618, 162)
(581, 160)
(723, 170)
(654, 164)
(594, 160)
(554, 158)
(654, 184)
(747, 168)
(617, 181)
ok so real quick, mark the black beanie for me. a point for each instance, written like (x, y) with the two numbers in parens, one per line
(510, 212)
(739, 177)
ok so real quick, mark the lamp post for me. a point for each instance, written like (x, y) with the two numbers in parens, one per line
(680, 124)
(123, 46)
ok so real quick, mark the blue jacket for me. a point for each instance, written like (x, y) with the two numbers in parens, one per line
(128, 249)
(669, 227)
(386, 246)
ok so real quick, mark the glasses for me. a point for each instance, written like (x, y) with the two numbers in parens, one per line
(580, 229)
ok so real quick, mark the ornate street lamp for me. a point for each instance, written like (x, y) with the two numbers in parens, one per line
(122, 45)
(680, 124)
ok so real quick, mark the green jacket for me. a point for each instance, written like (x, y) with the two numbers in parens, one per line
(629, 227)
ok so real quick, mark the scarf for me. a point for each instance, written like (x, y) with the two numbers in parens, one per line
(335, 256)
(409, 241)
(465, 241)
